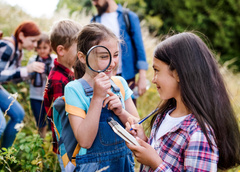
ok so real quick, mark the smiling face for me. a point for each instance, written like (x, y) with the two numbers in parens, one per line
(166, 81)
(103, 58)
(113, 47)
(28, 42)
(99, 58)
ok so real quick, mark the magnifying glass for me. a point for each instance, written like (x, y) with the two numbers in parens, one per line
(98, 58)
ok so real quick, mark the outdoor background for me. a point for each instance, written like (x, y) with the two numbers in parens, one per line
(218, 20)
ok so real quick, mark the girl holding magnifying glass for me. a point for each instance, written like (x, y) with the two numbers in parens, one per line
(94, 98)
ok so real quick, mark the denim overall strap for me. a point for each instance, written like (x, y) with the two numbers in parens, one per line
(87, 88)
(115, 87)
(108, 149)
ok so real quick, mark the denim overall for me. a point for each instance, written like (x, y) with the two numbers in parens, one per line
(109, 151)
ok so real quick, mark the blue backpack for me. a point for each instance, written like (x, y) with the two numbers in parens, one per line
(67, 143)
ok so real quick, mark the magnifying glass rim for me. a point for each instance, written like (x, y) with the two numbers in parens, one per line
(89, 51)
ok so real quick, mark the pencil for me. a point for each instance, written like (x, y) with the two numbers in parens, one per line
(142, 120)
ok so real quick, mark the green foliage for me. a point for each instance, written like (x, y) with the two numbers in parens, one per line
(28, 154)
(76, 5)
(219, 20)
(138, 6)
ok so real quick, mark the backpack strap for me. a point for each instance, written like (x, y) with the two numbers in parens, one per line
(125, 12)
(119, 84)
(126, 19)
(37, 58)
(94, 18)
(114, 86)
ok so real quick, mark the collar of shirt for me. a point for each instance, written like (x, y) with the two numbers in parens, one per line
(184, 125)
(64, 70)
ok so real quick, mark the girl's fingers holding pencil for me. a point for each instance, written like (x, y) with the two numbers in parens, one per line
(137, 130)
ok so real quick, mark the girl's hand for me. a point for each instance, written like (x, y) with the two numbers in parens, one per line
(145, 154)
(114, 103)
(101, 84)
(137, 130)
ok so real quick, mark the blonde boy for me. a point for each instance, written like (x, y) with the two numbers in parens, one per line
(63, 39)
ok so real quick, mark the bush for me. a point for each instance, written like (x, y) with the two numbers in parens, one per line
(28, 154)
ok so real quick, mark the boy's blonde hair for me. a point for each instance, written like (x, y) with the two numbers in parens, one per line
(65, 33)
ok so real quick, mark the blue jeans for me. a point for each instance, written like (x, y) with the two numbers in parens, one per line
(16, 114)
(39, 113)
(2, 123)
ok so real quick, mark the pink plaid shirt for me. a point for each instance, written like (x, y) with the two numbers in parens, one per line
(184, 148)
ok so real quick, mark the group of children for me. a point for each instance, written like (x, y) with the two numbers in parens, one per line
(194, 128)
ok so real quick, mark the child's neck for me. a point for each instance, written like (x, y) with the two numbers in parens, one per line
(181, 110)
(65, 64)
(88, 78)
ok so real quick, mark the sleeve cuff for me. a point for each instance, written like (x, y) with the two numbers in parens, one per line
(142, 65)
(23, 72)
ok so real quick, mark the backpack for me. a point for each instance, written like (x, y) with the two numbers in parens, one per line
(67, 143)
(125, 12)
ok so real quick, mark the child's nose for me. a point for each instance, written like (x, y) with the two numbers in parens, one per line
(153, 79)
(113, 62)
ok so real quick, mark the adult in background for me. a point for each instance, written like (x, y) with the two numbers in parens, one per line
(25, 36)
(132, 59)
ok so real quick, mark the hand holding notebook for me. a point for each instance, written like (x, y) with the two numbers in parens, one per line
(119, 130)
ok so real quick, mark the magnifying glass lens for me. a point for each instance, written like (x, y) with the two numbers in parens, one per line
(99, 58)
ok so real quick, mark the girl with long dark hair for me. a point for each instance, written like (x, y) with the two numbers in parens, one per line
(195, 128)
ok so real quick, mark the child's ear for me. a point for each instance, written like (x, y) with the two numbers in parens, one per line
(175, 75)
(60, 50)
(81, 57)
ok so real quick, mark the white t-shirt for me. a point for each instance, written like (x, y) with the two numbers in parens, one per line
(167, 124)
(111, 22)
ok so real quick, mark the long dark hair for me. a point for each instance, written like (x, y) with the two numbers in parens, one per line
(203, 92)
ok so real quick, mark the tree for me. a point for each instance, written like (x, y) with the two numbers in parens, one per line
(219, 20)
(76, 5)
